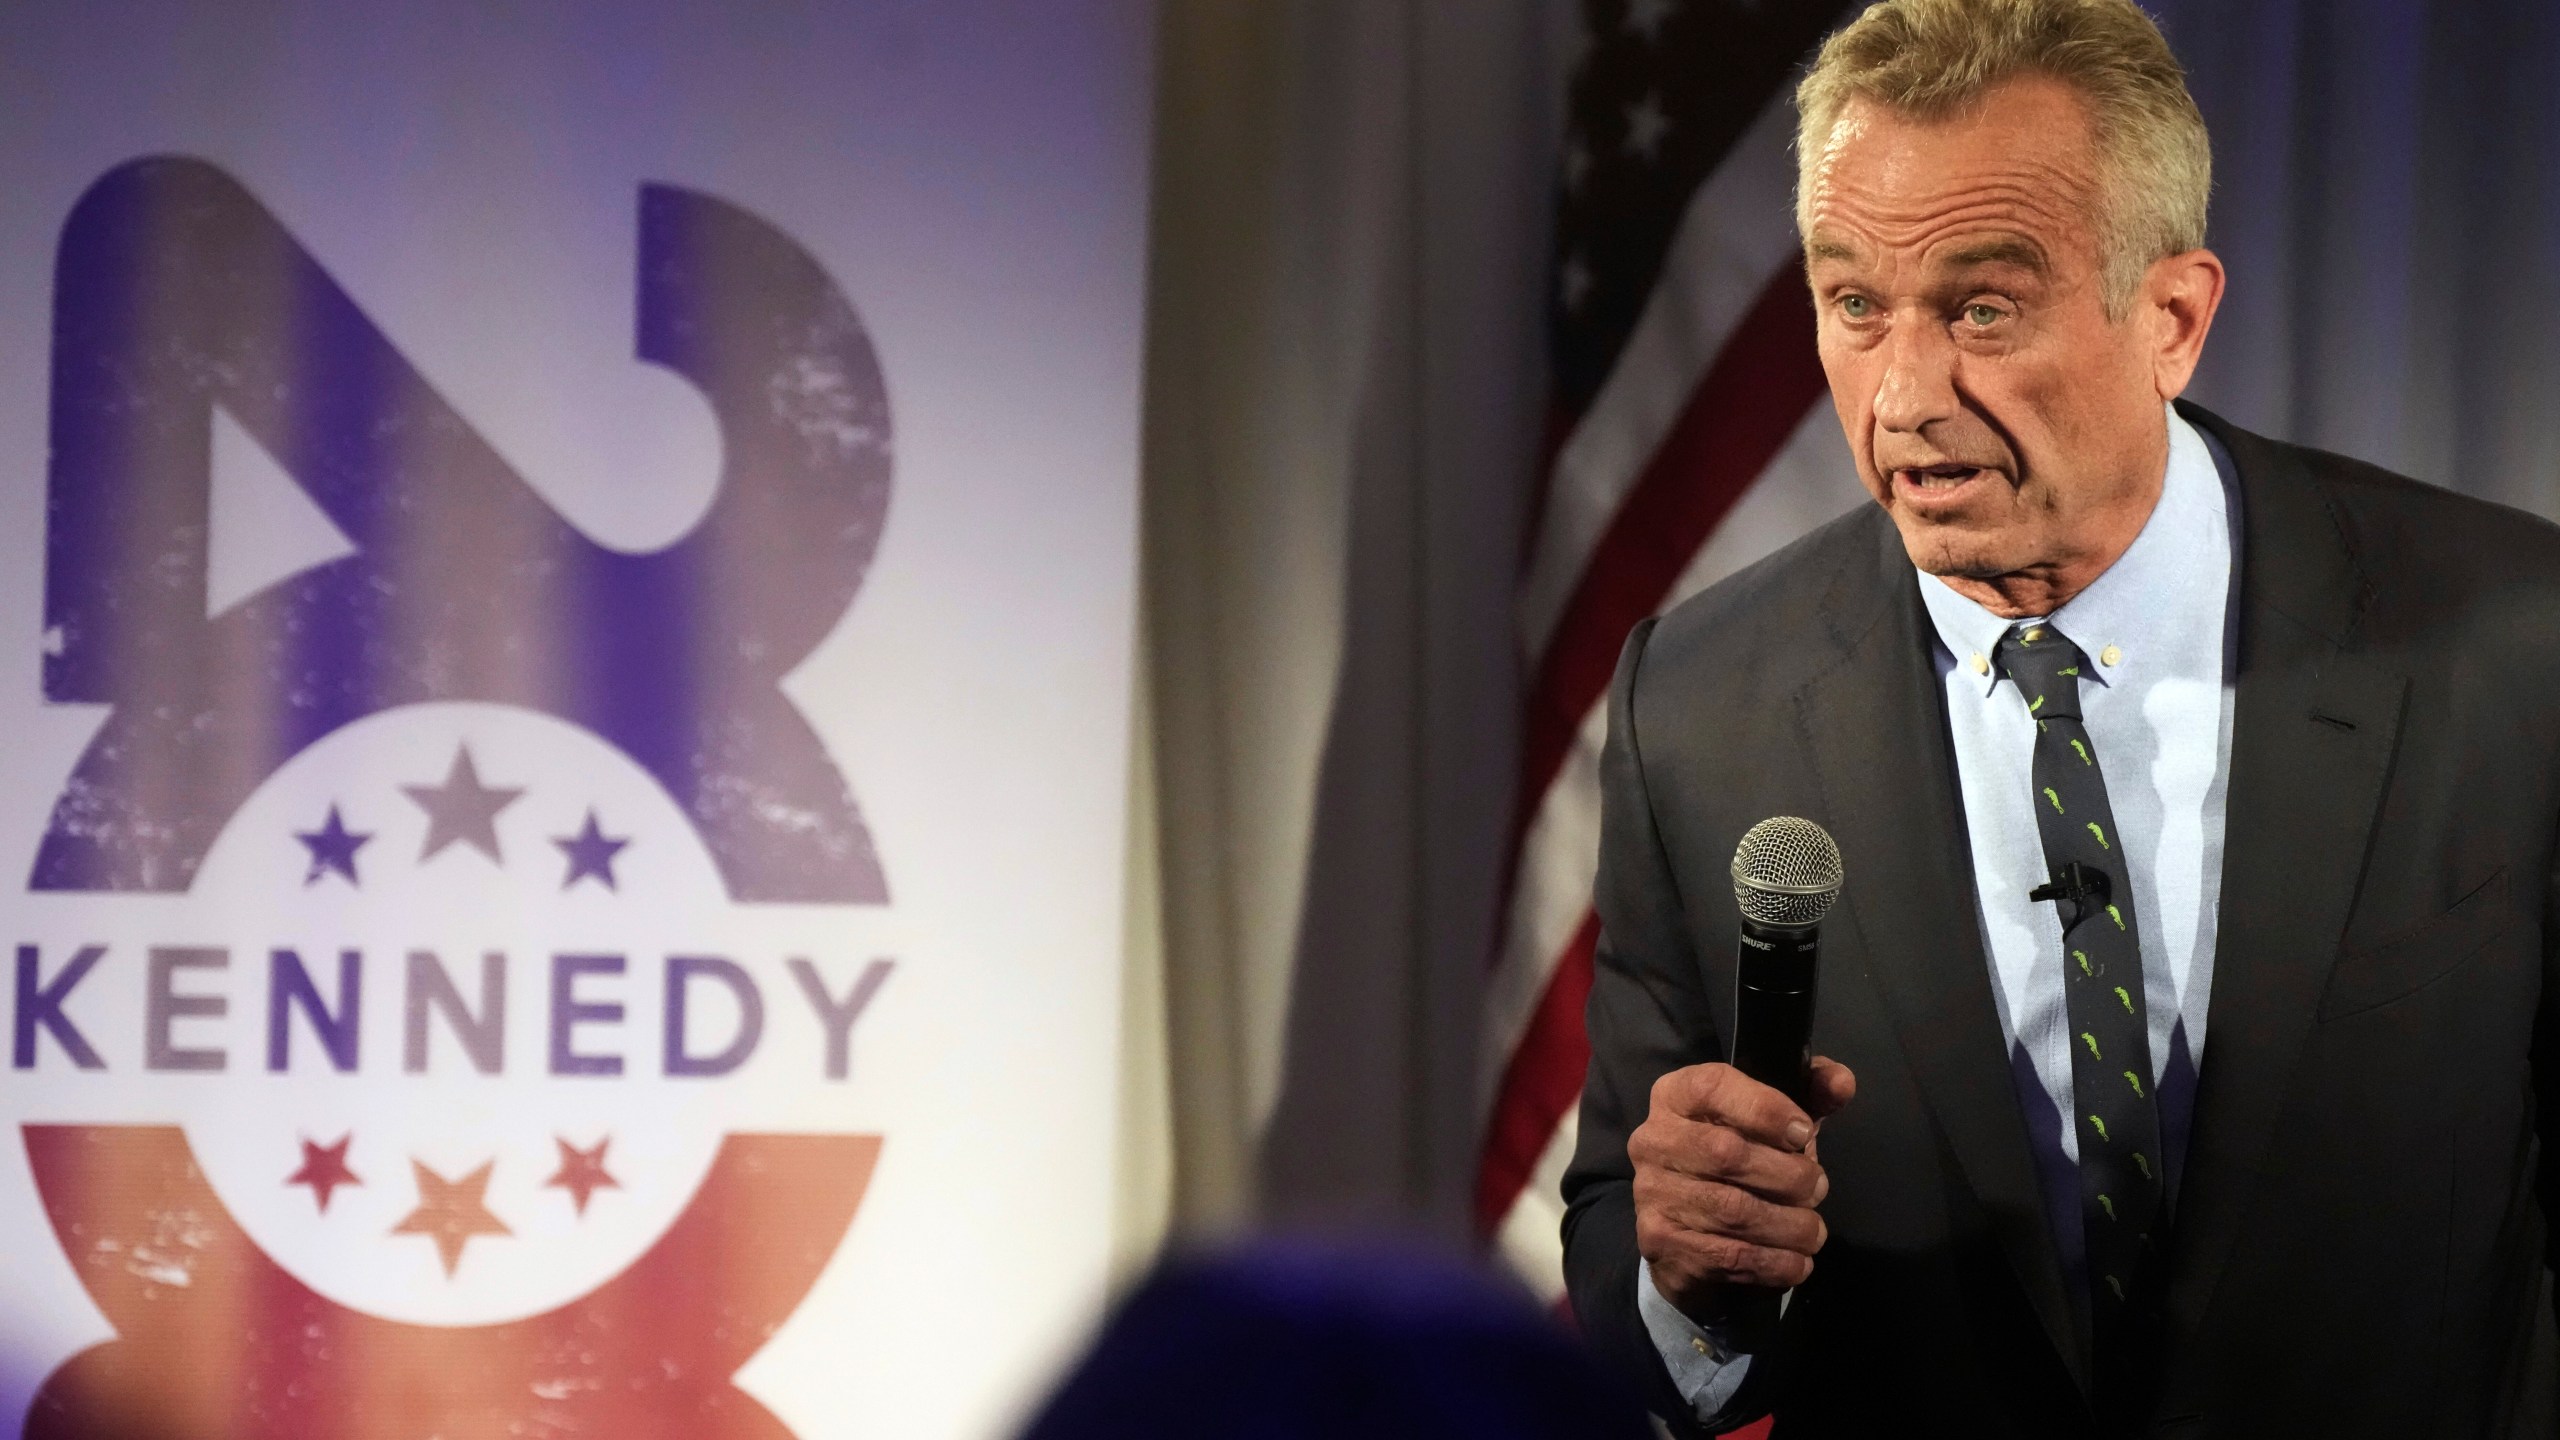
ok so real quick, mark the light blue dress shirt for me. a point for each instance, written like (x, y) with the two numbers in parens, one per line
(2157, 630)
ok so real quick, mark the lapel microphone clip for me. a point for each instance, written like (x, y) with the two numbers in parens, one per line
(2085, 886)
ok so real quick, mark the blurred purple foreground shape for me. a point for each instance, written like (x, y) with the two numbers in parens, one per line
(1279, 1342)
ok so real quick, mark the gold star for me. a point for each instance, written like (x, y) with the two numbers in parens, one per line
(450, 1212)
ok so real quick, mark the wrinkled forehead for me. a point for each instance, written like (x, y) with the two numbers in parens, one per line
(2010, 178)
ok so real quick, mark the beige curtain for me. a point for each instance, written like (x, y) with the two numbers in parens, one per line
(1343, 396)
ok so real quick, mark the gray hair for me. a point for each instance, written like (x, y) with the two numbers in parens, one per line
(1931, 58)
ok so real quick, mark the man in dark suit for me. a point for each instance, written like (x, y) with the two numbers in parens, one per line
(2193, 1012)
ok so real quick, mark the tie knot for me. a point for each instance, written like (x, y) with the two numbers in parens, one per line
(2045, 666)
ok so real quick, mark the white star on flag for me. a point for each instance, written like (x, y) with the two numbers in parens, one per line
(1646, 17)
(1646, 125)
(1574, 286)
(1577, 164)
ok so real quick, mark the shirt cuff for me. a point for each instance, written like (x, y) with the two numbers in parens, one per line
(1703, 1367)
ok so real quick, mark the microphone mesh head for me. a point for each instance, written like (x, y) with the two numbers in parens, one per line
(1786, 872)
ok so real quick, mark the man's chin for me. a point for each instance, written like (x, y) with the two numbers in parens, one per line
(1965, 568)
(1953, 550)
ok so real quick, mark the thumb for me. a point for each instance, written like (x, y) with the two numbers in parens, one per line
(1832, 1087)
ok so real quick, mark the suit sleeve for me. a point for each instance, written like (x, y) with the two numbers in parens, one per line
(2546, 1085)
(1648, 1015)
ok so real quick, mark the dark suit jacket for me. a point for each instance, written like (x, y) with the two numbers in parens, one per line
(2359, 1245)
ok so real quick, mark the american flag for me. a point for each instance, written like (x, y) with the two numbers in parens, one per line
(1687, 439)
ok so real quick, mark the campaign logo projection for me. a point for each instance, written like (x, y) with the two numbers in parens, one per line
(427, 881)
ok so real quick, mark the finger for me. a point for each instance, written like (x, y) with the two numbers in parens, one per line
(1723, 1260)
(1723, 1095)
(1719, 1152)
(1712, 1209)
(1832, 1086)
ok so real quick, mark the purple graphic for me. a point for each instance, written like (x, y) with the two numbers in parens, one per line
(333, 847)
(590, 852)
(177, 292)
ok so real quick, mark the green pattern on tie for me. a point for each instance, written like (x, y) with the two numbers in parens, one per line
(2120, 1195)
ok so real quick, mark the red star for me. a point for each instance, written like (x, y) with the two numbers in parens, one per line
(450, 1212)
(324, 1168)
(582, 1172)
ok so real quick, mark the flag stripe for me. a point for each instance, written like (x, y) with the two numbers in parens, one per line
(1531, 1238)
(1541, 1082)
(1736, 230)
(1745, 409)
(1558, 858)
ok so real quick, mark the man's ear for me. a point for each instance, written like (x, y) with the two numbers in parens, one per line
(2178, 297)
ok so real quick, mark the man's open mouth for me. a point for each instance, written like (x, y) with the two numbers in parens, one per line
(1932, 481)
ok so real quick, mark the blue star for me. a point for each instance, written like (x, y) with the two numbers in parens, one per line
(333, 847)
(590, 853)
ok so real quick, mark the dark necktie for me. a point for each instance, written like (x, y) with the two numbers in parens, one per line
(2116, 1121)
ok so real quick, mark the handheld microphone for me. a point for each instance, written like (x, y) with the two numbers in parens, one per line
(1786, 874)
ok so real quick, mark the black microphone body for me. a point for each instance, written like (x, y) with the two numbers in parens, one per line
(1786, 874)
(1773, 993)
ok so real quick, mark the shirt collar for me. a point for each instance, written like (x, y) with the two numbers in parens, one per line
(2180, 561)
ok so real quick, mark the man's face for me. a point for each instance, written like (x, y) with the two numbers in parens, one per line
(2011, 429)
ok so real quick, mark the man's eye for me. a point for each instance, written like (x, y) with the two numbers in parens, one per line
(1856, 307)
(1982, 315)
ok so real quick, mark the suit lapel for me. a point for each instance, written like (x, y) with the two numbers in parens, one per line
(2313, 732)
(1877, 729)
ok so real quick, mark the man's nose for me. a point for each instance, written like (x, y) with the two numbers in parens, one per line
(1919, 376)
